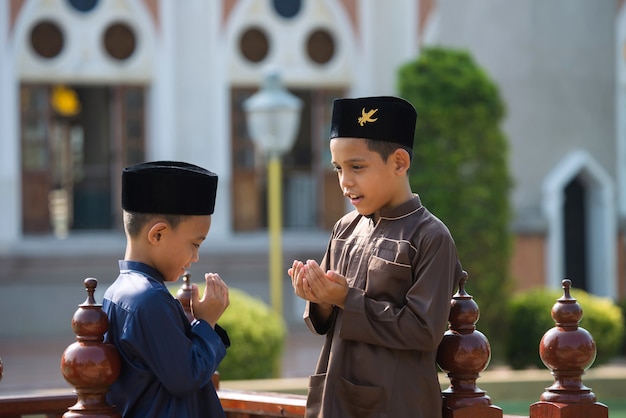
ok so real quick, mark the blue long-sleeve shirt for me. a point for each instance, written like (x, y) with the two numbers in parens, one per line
(167, 363)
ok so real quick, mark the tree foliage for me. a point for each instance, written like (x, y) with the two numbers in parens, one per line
(460, 170)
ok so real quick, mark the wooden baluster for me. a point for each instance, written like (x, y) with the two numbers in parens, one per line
(463, 353)
(89, 364)
(568, 350)
(184, 295)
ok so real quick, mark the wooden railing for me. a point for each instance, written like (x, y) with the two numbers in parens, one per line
(50, 405)
(236, 404)
(566, 349)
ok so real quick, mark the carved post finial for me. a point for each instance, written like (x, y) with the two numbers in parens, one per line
(463, 353)
(184, 296)
(90, 364)
(567, 285)
(462, 283)
(568, 351)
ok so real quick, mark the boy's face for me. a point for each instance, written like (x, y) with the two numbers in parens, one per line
(178, 248)
(370, 183)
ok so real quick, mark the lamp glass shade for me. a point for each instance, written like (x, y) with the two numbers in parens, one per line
(273, 116)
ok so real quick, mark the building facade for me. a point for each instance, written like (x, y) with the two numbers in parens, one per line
(88, 87)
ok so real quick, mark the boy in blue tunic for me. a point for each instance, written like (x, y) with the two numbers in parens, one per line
(167, 362)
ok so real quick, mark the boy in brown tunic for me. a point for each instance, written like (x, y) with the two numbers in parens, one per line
(381, 293)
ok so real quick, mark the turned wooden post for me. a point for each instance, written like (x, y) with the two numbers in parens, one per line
(90, 364)
(184, 296)
(463, 353)
(568, 350)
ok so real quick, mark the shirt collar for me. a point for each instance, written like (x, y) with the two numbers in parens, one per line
(400, 211)
(141, 267)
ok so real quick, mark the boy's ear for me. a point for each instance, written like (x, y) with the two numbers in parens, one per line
(156, 232)
(402, 161)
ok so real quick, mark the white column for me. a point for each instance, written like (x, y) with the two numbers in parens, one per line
(620, 109)
(161, 118)
(218, 137)
(389, 38)
(10, 177)
(202, 99)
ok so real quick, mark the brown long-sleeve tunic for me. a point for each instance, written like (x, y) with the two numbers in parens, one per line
(378, 359)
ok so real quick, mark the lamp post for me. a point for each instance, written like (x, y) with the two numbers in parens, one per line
(273, 118)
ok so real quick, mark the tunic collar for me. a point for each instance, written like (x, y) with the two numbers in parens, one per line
(400, 211)
(142, 268)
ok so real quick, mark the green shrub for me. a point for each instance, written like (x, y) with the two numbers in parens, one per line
(460, 171)
(530, 314)
(257, 335)
(622, 306)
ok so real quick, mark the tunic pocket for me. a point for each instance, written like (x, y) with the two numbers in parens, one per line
(388, 281)
(357, 401)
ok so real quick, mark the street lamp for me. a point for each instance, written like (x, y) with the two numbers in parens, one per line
(273, 118)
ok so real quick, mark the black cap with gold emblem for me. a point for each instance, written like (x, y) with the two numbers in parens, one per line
(382, 118)
(168, 187)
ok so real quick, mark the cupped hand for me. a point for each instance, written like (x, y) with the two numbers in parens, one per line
(214, 301)
(329, 287)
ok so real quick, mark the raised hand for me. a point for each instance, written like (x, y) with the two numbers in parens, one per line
(297, 272)
(214, 301)
(329, 287)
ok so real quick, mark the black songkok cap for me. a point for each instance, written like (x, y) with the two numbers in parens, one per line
(384, 118)
(169, 188)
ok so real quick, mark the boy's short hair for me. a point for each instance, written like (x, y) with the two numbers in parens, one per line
(385, 149)
(169, 188)
(384, 119)
(134, 222)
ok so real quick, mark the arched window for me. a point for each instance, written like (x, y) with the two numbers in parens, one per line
(574, 233)
(579, 205)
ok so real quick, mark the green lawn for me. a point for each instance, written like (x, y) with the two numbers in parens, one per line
(617, 407)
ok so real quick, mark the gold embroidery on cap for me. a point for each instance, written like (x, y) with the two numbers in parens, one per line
(367, 116)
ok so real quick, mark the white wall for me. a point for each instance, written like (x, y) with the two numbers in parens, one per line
(554, 64)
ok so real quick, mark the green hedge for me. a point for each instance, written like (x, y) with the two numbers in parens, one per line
(622, 305)
(257, 335)
(530, 316)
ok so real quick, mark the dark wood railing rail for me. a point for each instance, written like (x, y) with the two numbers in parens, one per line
(237, 404)
(49, 405)
(566, 349)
